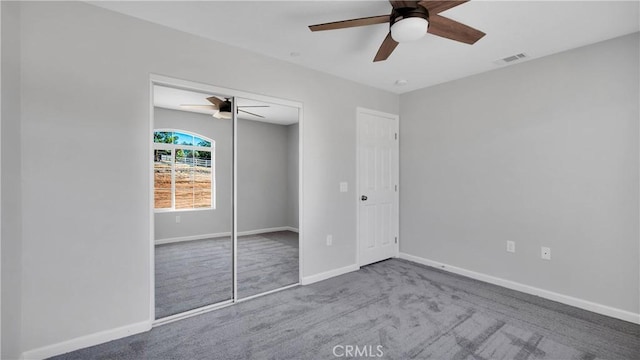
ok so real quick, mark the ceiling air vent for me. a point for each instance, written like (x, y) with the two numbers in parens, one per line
(510, 59)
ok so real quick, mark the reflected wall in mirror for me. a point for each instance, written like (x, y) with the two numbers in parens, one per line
(193, 164)
(267, 197)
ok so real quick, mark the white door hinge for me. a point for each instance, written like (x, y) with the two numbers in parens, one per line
(396, 239)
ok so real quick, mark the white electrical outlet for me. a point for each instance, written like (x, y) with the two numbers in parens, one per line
(344, 186)
(177, 219)
(329, 240)
(511, 246)
(545, 253)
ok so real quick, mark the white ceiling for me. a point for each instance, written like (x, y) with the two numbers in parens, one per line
(172, 98)
(279, 29)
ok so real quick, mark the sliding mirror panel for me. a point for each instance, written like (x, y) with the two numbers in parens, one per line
(267, 197)
(192, 164)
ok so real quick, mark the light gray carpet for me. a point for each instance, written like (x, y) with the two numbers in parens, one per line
(411, 310)
(193, 274)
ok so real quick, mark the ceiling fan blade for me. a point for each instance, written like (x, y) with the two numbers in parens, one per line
(371, 20)
(403, 4)
(250, 113)
(189, 106)
(451, 29)
(387, 47)
(215, 101)
(436, 6)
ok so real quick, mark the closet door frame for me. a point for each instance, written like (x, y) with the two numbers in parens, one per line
(161, 80)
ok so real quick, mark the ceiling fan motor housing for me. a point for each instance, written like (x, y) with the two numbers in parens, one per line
(225, 106)
(405, 13)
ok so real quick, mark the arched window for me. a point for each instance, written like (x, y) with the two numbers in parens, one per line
(183, 164)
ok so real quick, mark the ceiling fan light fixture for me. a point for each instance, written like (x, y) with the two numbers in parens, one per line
(410, 20)
(409, 29)
(222, 115)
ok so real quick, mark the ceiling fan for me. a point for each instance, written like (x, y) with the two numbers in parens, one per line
(223, 107)
(409, 21)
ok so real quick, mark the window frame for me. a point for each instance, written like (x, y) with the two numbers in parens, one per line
(173, 148)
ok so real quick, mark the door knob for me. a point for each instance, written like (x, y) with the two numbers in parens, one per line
(363, 198)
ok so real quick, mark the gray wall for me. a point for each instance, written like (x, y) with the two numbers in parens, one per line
(292, 175)
(544, 153)
(86, 224)
(11, 202)
(200, 222)
(263, 171)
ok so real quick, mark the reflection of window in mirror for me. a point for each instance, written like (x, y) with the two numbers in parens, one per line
(183, 169)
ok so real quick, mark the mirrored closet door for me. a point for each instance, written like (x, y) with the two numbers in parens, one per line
(267, 196)
(225, 197)
(193, 178)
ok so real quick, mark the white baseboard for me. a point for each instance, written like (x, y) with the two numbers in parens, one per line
(86, 341)
(329, 274)
(292, 229)
(223, 234)
(191, 238)
(565, 299)
(268, 230)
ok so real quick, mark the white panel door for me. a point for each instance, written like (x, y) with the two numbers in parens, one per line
(377, 186)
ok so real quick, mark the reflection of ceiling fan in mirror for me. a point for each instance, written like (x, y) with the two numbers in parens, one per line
(223, 107)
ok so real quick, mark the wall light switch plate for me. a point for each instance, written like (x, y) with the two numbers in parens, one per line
(545, 253)
(511, 246)
(344, 187)
(177, 219)
(329, 240)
